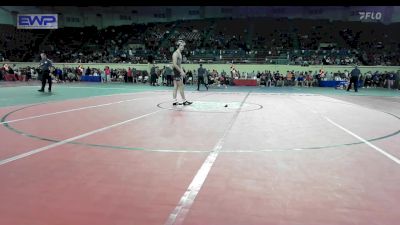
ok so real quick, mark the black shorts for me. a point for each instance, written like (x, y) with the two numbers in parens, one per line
(177, 75)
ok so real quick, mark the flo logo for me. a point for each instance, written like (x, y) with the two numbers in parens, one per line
(370, 15)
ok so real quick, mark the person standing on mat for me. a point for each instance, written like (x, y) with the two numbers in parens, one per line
(200, 77)
(179, 74)
(168, 74)
(44, 66)
(355, 74)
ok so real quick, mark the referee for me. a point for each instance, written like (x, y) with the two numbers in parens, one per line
(200, 77)
(44, 66)
(355, 74)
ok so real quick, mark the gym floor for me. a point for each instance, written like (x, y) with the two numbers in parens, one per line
(123, 155)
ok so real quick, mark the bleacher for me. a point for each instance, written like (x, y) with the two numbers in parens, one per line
(260, 40)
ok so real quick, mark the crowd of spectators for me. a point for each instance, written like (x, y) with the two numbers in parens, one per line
(163, 76)
(251, 40)
(261, 40)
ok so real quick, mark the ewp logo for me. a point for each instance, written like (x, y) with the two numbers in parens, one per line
(37, 21)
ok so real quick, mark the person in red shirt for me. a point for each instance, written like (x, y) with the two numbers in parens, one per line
(107, 71)
(9, 74)
(129, 74)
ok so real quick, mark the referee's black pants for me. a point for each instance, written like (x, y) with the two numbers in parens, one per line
(153, 79)
(353, 80)
(46, 77)
(200, 79)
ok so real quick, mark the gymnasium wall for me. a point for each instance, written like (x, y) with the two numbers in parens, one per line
(101, 17)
